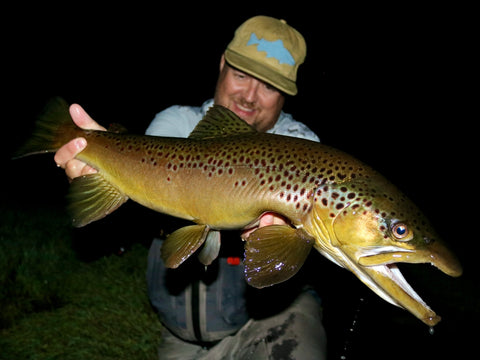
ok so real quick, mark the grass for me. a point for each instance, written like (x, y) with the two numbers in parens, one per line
(55, 306)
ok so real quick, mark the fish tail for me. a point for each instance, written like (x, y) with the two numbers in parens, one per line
(54, 128)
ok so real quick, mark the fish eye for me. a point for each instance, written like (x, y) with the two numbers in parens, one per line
(400, 231)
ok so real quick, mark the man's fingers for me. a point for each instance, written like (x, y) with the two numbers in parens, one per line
(65, 156)
(75, 168)
(267, 219)
(82, 119)
(68, 151)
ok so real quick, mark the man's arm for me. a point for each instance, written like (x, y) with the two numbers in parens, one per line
(65, 156)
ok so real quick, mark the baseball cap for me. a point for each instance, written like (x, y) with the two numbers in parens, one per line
(268, 49)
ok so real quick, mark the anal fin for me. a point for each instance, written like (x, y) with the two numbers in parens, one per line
(91, 198)
(275, 253)
(211, 248)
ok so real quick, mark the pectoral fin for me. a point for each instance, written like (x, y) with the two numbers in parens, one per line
(91, 198)
(211, 248)
(275, 253)
(182, 243)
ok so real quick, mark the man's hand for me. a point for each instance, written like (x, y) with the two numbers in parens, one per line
(266, 219)
(65, 156)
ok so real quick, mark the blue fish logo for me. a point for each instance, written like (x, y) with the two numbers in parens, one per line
(274, 49)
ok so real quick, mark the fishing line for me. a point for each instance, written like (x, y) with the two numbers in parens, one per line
(347, 344)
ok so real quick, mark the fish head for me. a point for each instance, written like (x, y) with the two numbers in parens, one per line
(380, 228)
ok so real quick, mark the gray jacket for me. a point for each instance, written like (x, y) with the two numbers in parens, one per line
(196, 303)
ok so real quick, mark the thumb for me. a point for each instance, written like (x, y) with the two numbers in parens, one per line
(82, 119)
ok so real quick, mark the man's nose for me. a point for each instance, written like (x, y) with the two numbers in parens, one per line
(251, 91)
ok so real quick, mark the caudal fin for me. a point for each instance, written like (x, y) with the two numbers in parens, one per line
(52, 130)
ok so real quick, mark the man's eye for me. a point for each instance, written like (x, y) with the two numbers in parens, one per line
(270, 87)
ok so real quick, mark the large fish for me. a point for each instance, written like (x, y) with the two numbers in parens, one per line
(226, 175)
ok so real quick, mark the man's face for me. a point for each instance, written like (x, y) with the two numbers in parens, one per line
(256, 102)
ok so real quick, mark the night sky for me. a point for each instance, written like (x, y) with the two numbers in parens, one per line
(387, 85)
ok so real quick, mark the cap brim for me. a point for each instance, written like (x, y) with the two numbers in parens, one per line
(261, 72)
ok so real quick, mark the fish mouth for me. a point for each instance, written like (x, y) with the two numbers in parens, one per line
(384, 277)
(388, 282)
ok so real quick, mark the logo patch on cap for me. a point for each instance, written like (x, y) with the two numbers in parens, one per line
(274, 49)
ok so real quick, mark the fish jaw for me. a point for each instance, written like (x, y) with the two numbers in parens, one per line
(388, 282)
(385, 279)
(436, 254)
(378, 270)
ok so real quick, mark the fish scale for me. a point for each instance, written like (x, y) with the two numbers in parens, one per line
(226, 176)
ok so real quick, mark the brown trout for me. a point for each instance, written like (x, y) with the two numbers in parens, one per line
(226, 175)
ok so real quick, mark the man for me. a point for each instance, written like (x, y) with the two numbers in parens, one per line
(210, 313)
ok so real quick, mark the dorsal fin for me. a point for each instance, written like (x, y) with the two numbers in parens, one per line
(220, 121)
(117, 128)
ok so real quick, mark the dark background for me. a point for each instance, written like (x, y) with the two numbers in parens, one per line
(390, 85)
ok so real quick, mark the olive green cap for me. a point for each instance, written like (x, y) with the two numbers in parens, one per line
(268, 49)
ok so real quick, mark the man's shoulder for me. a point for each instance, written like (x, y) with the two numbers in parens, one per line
(184, 111)
(288, 126)
(189, 111)
(176, 120)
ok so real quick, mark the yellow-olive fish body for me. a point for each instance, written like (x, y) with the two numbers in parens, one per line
(226, 175)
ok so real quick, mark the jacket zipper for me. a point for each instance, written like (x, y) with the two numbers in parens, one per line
(196, 310)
